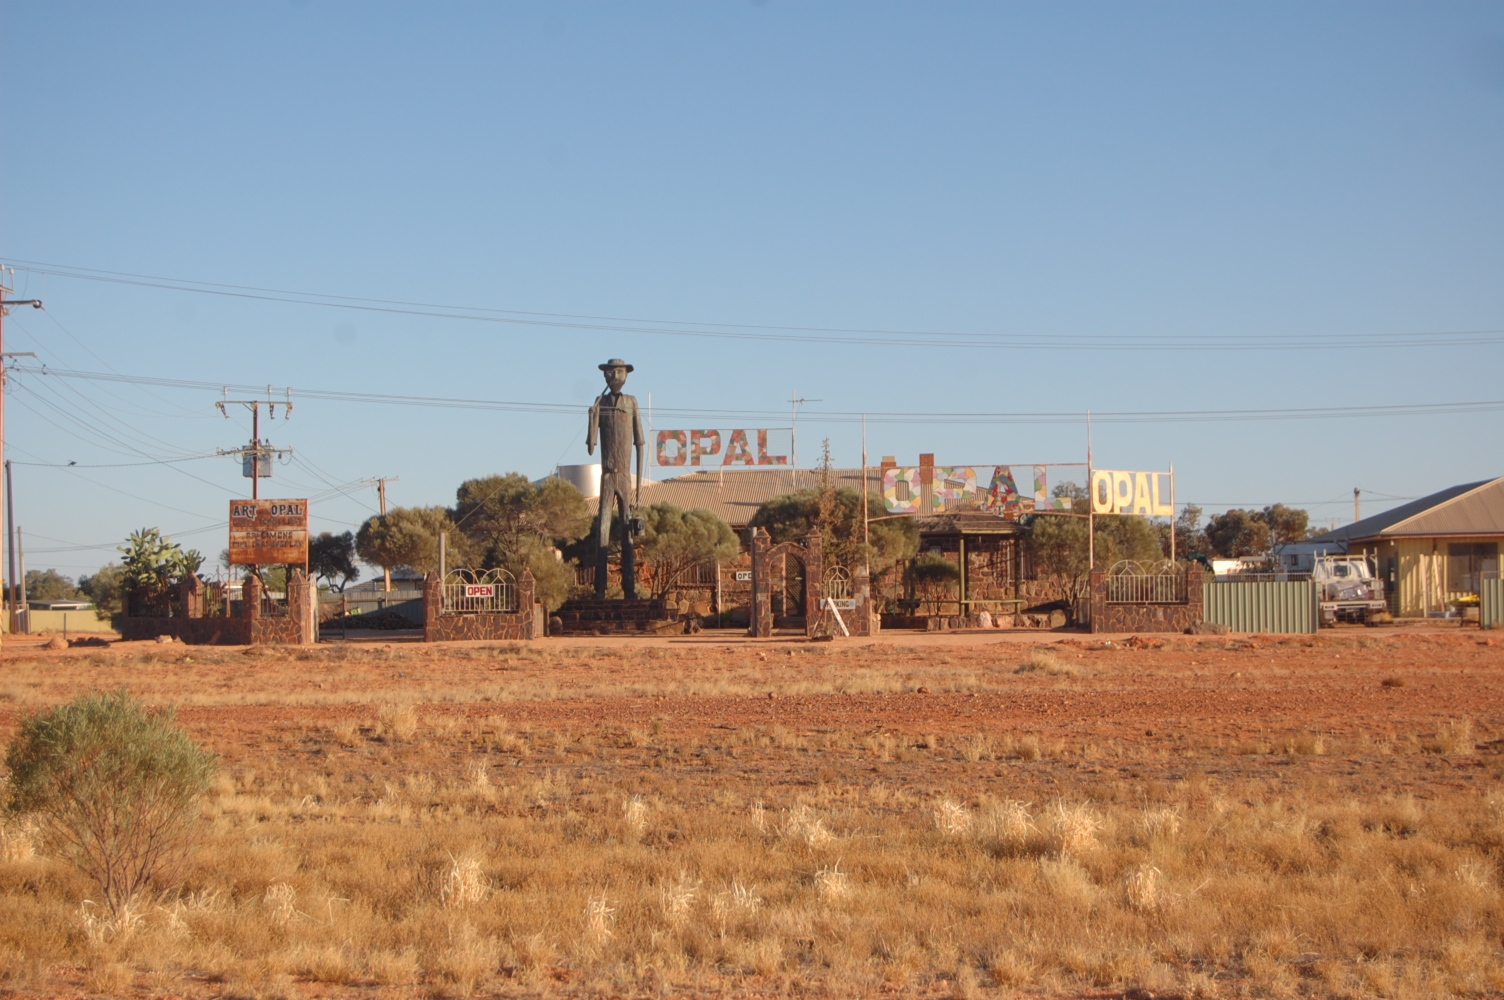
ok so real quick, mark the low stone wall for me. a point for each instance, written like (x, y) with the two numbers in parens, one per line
(500, 626)
(298, 626)
(194, 631)
(1107, 617)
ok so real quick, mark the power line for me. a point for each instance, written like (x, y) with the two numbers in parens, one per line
(827, 416)
(804, 334)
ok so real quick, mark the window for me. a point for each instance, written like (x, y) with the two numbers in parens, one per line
(1467, 562)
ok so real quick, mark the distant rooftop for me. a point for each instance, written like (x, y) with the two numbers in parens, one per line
(734, 495)
(1468, 509)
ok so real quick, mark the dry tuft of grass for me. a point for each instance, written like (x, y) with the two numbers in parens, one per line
(464, 883)
(17, 842)
(1073, 828)
(1042, 661)
(397, 721)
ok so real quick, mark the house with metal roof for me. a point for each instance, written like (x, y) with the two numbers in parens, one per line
(1432, 553)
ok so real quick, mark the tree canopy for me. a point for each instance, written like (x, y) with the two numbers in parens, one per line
(105, 588)
(675, 540)
(837, 515)
(49, 585)
(409, 536)
(331, 558)
(1060, 545)
(502, 513)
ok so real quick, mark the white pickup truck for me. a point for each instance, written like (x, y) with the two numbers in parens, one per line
(1347, 587)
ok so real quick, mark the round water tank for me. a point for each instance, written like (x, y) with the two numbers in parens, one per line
(585, 478)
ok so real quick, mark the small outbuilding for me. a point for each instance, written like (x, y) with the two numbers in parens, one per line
(1432, 553)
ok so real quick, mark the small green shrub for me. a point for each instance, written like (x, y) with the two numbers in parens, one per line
(113, 787)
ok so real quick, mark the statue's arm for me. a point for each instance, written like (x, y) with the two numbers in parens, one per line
(594, 418)
(639, 439)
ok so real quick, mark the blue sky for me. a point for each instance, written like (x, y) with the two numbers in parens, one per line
(1256, 175)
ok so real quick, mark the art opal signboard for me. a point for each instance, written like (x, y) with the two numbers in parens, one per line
(263, 532)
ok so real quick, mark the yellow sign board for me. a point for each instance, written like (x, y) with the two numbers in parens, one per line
(1149, 494)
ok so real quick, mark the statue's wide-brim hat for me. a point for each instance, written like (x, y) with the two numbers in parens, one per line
(615, 363)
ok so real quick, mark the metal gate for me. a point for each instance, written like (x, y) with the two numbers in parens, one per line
(1491, 602)
(1262, 605)
(466, 592)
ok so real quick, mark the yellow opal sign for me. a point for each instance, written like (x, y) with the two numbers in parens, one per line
(1150, 494)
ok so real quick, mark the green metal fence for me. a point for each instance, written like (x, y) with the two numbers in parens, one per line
(1491, 603)
(1262, 605)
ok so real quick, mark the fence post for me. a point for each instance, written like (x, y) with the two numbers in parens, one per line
(191, 596)
(302, 604)
(814, 580)
(1098, 590)
(761, 625)
(527, 589)
(250, 598)
(1195, 594)
(433, 597)
(863, 621)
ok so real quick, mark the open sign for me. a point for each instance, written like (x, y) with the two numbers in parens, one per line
(480, 590)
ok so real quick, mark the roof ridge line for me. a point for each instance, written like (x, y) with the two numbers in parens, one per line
(1450, 500)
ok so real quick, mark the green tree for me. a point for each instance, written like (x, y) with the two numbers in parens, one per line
(331, 558)
(934, 578)
(1188, 536)
(409, 536)
(49, 585)
(105, 588)
(503, 514)
(1061, 547)
(791, 517)
(153, 565)
(1287, 524)
(675, 540)
(114, 786)
(553, 576)
(1236, 533)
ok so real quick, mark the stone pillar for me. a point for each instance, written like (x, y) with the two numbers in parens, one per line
(761, 625)
(302, 606)
(1195, 594)
(1098, 590)
(527, 597)
(250, 598)
(814, 580)
(191, 596)
(862, 620)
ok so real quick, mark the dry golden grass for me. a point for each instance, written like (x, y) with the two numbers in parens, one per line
(422, 847)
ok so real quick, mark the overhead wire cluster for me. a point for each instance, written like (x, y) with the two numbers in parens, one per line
(718, 330)
(48, 391)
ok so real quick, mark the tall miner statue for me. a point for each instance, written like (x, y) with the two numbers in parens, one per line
(616, 421)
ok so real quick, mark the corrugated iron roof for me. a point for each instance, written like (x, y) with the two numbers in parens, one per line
(735, 494)
(1468, 509)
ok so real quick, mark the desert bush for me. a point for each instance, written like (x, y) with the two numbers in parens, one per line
(112, 787)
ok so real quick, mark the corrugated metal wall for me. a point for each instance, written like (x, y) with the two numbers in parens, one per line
(1262, 605)
(1491, 603)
